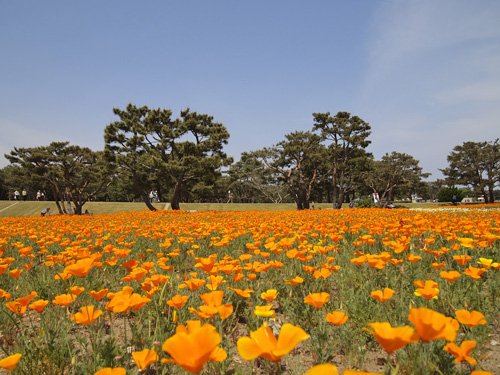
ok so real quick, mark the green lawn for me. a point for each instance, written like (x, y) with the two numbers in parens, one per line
(34, 208)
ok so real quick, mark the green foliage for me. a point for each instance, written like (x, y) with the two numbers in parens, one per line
(364, 203)
(152, 150)
(476, 164)
(446, 194)
(348, 138)
(75, 174)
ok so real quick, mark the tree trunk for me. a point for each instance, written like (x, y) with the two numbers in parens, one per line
(145, 198)
(176, 195)
(491, 194)
(334, 188)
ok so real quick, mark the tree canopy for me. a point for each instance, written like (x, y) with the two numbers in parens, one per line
(151, 149)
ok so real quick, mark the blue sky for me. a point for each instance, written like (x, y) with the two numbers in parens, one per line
(424, 74)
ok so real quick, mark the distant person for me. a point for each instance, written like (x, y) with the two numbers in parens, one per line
(230, 200)
(151, 196)
(16, 195)
(87, 212)
(454, 200)
(46, 211)
(24, 194)
(351, 204)
(38, 195)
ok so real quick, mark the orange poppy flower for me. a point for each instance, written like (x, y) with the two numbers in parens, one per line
(317, 299)
(9, 363)
(19, 305)
(214, 282)
(193, 345)
(450, 276)
(4, 294)
(487, 263)
(413, 258)
(213, 304)
(462, 259)
(15, 273)
(39, 305)
(438, 266)
(193, 284)
(270, 295)
(63, 300)
(264, 311)
(130, 264)
(474, 272)
(392, 338)
(470, 319)
(432, 325)
(263, 343)
(206, 264)
(81, 268)
(177, 301)
(242, 293)
(137, 301)
(429, 290)
(144, 358)
(99, 295)
(87, 315)
(462, 352)
(466, 242)
(3, 268)
(76, 290)
(337, 318)
(295, 281)
(111, 371)
(382, 296)
(324, 369)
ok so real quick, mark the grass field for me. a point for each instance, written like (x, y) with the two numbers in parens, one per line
(34, 208)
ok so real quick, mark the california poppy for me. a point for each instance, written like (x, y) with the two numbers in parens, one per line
(87, 315)
(450, 276)
(63, 299)
(337, 318)
(270, 295)
(9, 363)
(317, 299)
(263, 343)
(382, 296)
(470, 318)
(111, 371)
(392, 338)
(81, 268)
(264, 311)
(432, 325)
(324, 369)
(144, 358)
(462, 352)
(177, 301)
(296, 280)
(192, 345)
(39, 305)
(213, 304)
(242, 293)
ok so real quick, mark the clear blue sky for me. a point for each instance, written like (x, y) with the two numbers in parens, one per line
(424, 74)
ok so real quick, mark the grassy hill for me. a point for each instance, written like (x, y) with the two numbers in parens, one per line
(34, 208)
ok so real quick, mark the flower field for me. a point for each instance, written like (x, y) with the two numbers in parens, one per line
(252, 292)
